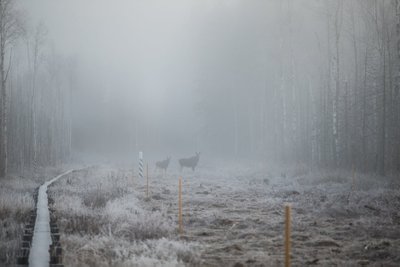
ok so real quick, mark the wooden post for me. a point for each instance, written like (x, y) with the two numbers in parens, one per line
(353, 182)
(147, 180)
(180, 207)
(287, 235)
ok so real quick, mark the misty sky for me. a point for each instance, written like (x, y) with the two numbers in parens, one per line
(159, 58)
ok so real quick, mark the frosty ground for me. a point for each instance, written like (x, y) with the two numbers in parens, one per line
(16, 201)
(233, 216)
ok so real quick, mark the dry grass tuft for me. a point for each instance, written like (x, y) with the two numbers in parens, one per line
(104, 223)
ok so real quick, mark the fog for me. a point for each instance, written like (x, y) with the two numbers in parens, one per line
(284, 81)
(244, 110)
(149, 65)
(135, 60)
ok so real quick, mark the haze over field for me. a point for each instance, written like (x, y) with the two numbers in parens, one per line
(283, 80)
(255, 103)
(163, 67)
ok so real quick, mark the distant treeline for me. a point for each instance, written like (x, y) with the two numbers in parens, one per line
(35, 95)
(297, 81)
(331, 92)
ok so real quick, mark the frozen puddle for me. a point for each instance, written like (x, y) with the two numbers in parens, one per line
(39, 253)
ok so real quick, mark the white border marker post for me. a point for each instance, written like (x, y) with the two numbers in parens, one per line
(141, 164)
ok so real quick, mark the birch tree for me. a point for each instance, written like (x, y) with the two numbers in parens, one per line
(10, 29)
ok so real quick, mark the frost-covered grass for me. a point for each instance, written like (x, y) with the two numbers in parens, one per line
(236, 212)
(103, 222)
(16, 201)
(233, 216)
(15, 204)
(103, 250)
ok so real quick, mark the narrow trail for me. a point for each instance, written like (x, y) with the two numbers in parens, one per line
(39, 253)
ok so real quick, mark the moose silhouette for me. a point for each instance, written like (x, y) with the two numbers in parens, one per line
(190, 162)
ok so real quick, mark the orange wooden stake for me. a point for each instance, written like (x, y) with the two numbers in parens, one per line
(287, 235)
(180, 207)
(147, 180)
(354, 179)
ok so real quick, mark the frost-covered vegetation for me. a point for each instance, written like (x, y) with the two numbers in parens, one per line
(300, 98)
(104, 221)
(233, 216)
(236, 212)
(16, 201)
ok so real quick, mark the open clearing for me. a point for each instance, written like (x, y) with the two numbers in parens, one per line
(233, 216)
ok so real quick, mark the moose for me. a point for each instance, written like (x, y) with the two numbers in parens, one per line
(190, 162)
(163, 165)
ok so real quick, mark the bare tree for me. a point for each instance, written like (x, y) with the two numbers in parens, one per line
(397, 88)
(34, 45)
(10, 29)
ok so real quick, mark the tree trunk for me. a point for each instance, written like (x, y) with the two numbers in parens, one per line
(397, 89)
(3, 160)
(383, 118)
(364, 114)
